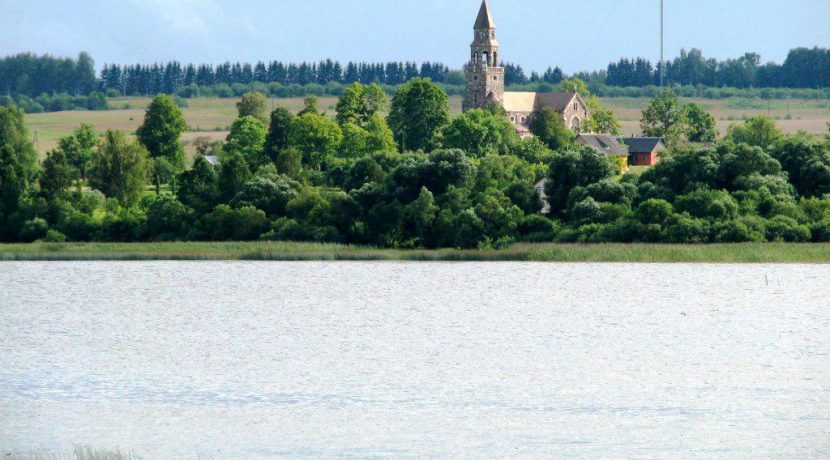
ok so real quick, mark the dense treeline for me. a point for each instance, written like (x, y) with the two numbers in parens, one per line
(417, 178)
(172, 77)
(33, 76)
(803, 68)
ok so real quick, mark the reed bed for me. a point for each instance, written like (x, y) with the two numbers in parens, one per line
(536, 252)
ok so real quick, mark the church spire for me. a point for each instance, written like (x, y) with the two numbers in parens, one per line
(485, 17)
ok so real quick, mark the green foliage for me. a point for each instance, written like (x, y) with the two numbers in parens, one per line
(807, 162)
(702, 124)
(479, 132)
(162, 128)
(278, 130)
(255, 105)
(120, 168)
(15, 138)
(311, 103)
(247, 138)
(267, 190)
(316, 137)
(79, 146)
(758, 131)
(549, 127)
(168, 218)
(665, 117)
(58, 175)
(233, 174)
(420, 109)
(572, 168)
(602, 121)
(199, 186)
(359, 103)
(227, 224)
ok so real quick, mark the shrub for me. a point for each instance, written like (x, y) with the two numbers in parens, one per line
(54, 236)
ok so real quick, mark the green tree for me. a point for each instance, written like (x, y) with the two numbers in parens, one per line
(199, 186)
(13, 185)
(317, 137)
(311, 104)
(162, 128)
(79, 146)
(119, 168)
(702, 125)
(233, 174)
(602, 121)
(665, 117)
(278, 130)
(163, 173)
(549, 127)
(575, 85)
(479, 132)
(289, 162)
(359, 103)
(758, 131)
(420, 109)
(58, 175)
(247, 138)
(254, 105)
(15, 137)
(573, 168)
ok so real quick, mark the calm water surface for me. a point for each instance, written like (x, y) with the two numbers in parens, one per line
(256, 360)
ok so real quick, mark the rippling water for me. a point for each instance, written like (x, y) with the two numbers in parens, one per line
(250, 360)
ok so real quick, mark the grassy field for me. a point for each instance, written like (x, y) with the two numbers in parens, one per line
(212, 117)
(542, 252)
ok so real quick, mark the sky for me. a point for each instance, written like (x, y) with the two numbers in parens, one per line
(575, 35)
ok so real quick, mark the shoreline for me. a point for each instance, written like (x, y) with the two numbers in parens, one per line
(752, 253)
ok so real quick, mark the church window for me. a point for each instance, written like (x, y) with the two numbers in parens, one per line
(576, 106)
(495, 78)
(485, 58)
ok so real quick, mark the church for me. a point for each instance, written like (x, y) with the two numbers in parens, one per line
(485, 83)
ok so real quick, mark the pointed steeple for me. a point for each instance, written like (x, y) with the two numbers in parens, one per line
(485, 17)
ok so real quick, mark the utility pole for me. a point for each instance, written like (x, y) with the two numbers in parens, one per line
(662, 62)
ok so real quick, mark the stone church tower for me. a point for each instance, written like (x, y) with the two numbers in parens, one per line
(484, 76)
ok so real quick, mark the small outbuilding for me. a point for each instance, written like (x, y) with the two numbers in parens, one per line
(643, 151)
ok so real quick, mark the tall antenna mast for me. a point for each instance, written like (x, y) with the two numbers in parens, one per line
(662, 62)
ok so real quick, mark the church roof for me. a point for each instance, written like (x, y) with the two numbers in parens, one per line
(485, 17)
(533, 102)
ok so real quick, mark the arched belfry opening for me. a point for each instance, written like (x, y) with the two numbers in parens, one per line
(484, 77)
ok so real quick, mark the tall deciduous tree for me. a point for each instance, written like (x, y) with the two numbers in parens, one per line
(758, 131)
(15, 137)
(571, 168)
(58, 175)
(359, 103)
(163, 125)
(419, 110)
(665, 117)
(120, 168)
(278, 130)
(316, 137)
(79, 146)
(479, 132)
(549, 127)
(247, 138)
(253, 105)
(701, 124)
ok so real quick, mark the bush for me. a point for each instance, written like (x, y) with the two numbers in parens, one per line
(783, 228)
(34, 229)
(54, 236)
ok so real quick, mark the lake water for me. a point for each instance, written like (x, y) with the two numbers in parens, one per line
(256, 360)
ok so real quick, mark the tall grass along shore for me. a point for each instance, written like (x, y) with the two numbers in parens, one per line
(541, 252)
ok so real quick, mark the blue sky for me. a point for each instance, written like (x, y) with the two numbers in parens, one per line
(576, 35)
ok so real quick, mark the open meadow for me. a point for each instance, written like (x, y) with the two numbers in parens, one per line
(211, 117)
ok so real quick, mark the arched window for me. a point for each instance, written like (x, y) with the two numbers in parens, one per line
(575, 124)
(475, 57)
(512, 119)
(485, 58)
